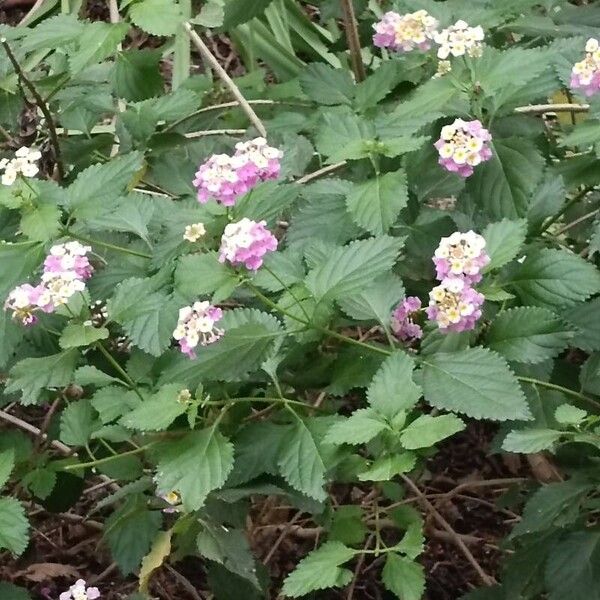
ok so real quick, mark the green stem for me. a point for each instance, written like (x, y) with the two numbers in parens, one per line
(286, 401)
(106, 459)
(560, 388)
(82, 238)
(288, 290)
(574, 200)
(117, 367)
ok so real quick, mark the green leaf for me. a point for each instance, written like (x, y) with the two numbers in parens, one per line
(137, 76)
(351, 268)
(90, 375)
(40, 482)
(342, 136)
(361, 427)
(347, 525)
(387, 467)
(77, 334)
(528, 334)
(242, 11)
(504, 184)
(547, 199)
(320, 570)
(42, 223)
(529, 441)
(157, 17)
(14, 526)
(403, 577)
(586, 317)
(554, 278)
(326, 85)
(566, 414)
(148, 317)
(158, 412)
(53, 32)
(200, 274)
(195, 465)
(393, 389)
(32, 375)
(111, 402)
(425, 431)
(378, 85)
(77, 423)
(573, 567)
(7, 463)
(503, 241)
(17, 262)
(130, 531)
(476, 382)
(8, 591)
(376, 203)
(287, 267)
(302, 463)
(97, 41)
(266, 201)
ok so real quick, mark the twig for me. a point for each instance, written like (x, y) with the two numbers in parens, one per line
(577, 221)
(328, 169)
(357, 569)
(547, 108)
(351, 27)
(184, 582)
(104, 574)
(41, 105)
(32, 429)
(39, 437)
(220, 71)
(485, 578)
(280, 539)
(32, 10)
(209, 132)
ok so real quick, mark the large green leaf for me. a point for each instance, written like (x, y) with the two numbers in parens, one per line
(425, 431)
(194, 465)
(241, 11)
(158, 17)
(554, 278)
(529, 441)
(42, 222)
(361, 427)
(13, 526)
(403, 577)
(158, 412)
(477, 382)
(7, 463)
(503, 241)
(376, 203)
(586, 317)
(137, 76)
(503, 185)
(17, 262)
(351, 268)
(200, 274)
(319, 570)
(326, 85)
(77, 423)
(97, 41)
(75, 335)
(53, 32)
(342, 135)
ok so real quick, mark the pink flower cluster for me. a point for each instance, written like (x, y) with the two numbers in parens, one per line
(225, 178)
(454, 304)
(461, 255)
(403, 325)
(462, 146)
(585, 75)
(80, 592)
(246, 243)
(403, 33)
(197, 326)
(66, 269)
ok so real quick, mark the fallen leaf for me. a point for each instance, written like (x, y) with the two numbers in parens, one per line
(39, 572)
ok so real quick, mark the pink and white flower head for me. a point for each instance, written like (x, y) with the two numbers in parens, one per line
(403, 326)
(61, 286)
(459, 39)
(246, 243)
(585, 75)
(80, 592)
(70, 257)
(197, 326)
(454, 305)
(25, 300)
(225, 178)
(24, 163)
(462, 146)
(403, 33)
(461, 255)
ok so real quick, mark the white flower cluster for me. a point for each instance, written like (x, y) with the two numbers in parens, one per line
(24, 163)
(459, 39)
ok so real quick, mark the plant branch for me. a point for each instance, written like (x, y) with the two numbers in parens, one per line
(560, 388)
(319, 173)
(106, 459)
(82, 238)
(574, 200)
(351, 28)
(577, 221)
(220, 71)
(25, 82)
(534, 109)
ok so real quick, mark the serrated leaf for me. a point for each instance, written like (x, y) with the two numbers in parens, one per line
(351, 268)
(90, 375)
(158, 17)
(528, 334)
(137, 75)
(393, 389)
(14, 526)
(529, 441)
(554, 278)
(326, 85)
(403, 577)
(195, 465)
(566, 414)
(161, 548)
(242, 11)
(75, 335)
(378, 85)
(199, 274)
(283, 269)
(342, 136)
(42, 223)
(32, 375)
(53, 32)
(7, 463)
(387, 467)
(425, 431)
(17, 262)
(476, 382)
(158, 412)
(97, 41)
(361, 427)
(111, 402)
(319, 570)
(586, 317)
(77, 423)
(375, 204)
(503, 241)
(504, 184)
(266, 201)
